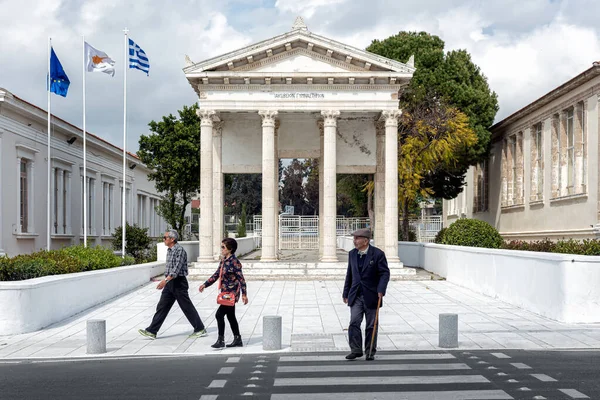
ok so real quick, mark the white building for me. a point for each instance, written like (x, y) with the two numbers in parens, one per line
(299, 95)
(23, 183)
(541, 180)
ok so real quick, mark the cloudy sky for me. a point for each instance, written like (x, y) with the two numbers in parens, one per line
(524, 47)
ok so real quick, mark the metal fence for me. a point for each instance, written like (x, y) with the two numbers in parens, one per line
(298, 232)
(426, 228)
(345, 226)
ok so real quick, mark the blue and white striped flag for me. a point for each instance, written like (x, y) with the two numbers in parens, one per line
(138, 58)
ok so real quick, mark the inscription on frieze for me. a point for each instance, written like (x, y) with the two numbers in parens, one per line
(299, 95)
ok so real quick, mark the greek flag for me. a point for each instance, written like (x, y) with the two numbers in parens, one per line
(138, 58)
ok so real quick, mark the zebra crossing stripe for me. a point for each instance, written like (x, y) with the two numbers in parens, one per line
(362, 367)
(380, 380)
(445, 395)
(574, 394)
(383, 357)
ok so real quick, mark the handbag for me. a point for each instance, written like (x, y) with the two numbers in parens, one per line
(225, 298)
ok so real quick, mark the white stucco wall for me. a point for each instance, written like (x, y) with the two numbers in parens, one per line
(37, 303)
(23, 134)
(558, 286)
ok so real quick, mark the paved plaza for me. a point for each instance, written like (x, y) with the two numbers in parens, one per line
(314, 320)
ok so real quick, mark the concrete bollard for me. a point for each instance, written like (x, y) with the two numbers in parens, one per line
(448, 334)
(96, 336)
(272, 332)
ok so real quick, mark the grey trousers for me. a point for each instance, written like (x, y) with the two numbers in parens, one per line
(357, 311)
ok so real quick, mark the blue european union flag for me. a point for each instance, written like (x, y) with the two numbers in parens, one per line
(59, 81)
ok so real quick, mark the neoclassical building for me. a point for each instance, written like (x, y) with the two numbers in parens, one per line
(24, 180)
(299, 95)
(541, 180)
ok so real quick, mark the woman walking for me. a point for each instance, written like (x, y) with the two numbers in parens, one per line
(232, 280)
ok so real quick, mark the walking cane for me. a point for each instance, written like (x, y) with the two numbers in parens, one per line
(375, 326)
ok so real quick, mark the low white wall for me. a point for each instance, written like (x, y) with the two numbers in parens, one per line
(36, 303)
(191, 248)
(558, 286)
(245, 246)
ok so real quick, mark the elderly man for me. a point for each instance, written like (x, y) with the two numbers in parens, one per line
(366, 281)
(174, 288)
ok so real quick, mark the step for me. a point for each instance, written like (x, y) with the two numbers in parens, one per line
(299, 271)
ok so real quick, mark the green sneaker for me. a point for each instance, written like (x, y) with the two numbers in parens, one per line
(150, 335)
(198, 334)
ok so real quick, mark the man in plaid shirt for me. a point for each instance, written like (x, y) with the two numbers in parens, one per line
(174, 288)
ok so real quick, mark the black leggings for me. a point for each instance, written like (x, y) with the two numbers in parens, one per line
(230, 312)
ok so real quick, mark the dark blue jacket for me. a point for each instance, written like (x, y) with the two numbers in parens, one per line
(373, 279)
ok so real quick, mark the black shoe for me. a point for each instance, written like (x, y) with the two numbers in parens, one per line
(353, 356)
(237, 342)
(219, 344)
(370, 357)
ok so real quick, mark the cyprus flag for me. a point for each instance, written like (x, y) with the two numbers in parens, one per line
(98, 61)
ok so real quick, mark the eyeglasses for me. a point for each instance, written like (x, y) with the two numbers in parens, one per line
(165, 237)
(223, 247)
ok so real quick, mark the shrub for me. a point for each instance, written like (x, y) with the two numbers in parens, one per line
(474, 233)
(137, 243)
(439, 237)
(57, 262)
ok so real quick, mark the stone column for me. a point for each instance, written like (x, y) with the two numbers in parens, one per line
(321, 188)
(379, 194)
(206, 185)
(276, 187)
(217, 189)
(391, 184)
(329, 185)
(269, 225)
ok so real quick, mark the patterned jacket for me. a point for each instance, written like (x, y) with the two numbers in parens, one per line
(233, 278)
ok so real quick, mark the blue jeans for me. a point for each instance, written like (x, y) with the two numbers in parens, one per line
(357, 310)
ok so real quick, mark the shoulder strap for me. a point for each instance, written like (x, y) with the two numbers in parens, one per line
(221, 274)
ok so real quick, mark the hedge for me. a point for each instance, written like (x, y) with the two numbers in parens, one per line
(57, 262)
(472, 232)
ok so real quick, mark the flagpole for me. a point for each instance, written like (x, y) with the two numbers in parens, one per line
(49, 161)
(126, 67)
(85, 198)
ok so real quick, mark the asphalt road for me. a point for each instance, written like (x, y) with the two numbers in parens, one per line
(426, 375)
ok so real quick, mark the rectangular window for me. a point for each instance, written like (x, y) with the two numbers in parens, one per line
(481, 187)
(91, 205)
(513, 151)
(107, 210)
(24, 197)
(66, 201)
(539, 160)
(570, 131)
(583, 143)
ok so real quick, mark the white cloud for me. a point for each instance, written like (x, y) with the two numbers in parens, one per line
(524, 54)
(306, 8)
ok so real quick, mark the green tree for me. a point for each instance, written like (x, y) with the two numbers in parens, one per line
(292, 187)
(311, 185)
(351, 198)
(137, 242)
(431, 134)
(453, 77)
(241, 228)
(243, 189)
(172, 152)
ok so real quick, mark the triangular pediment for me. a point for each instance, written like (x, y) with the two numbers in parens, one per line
(299, 60)
(303, 48)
